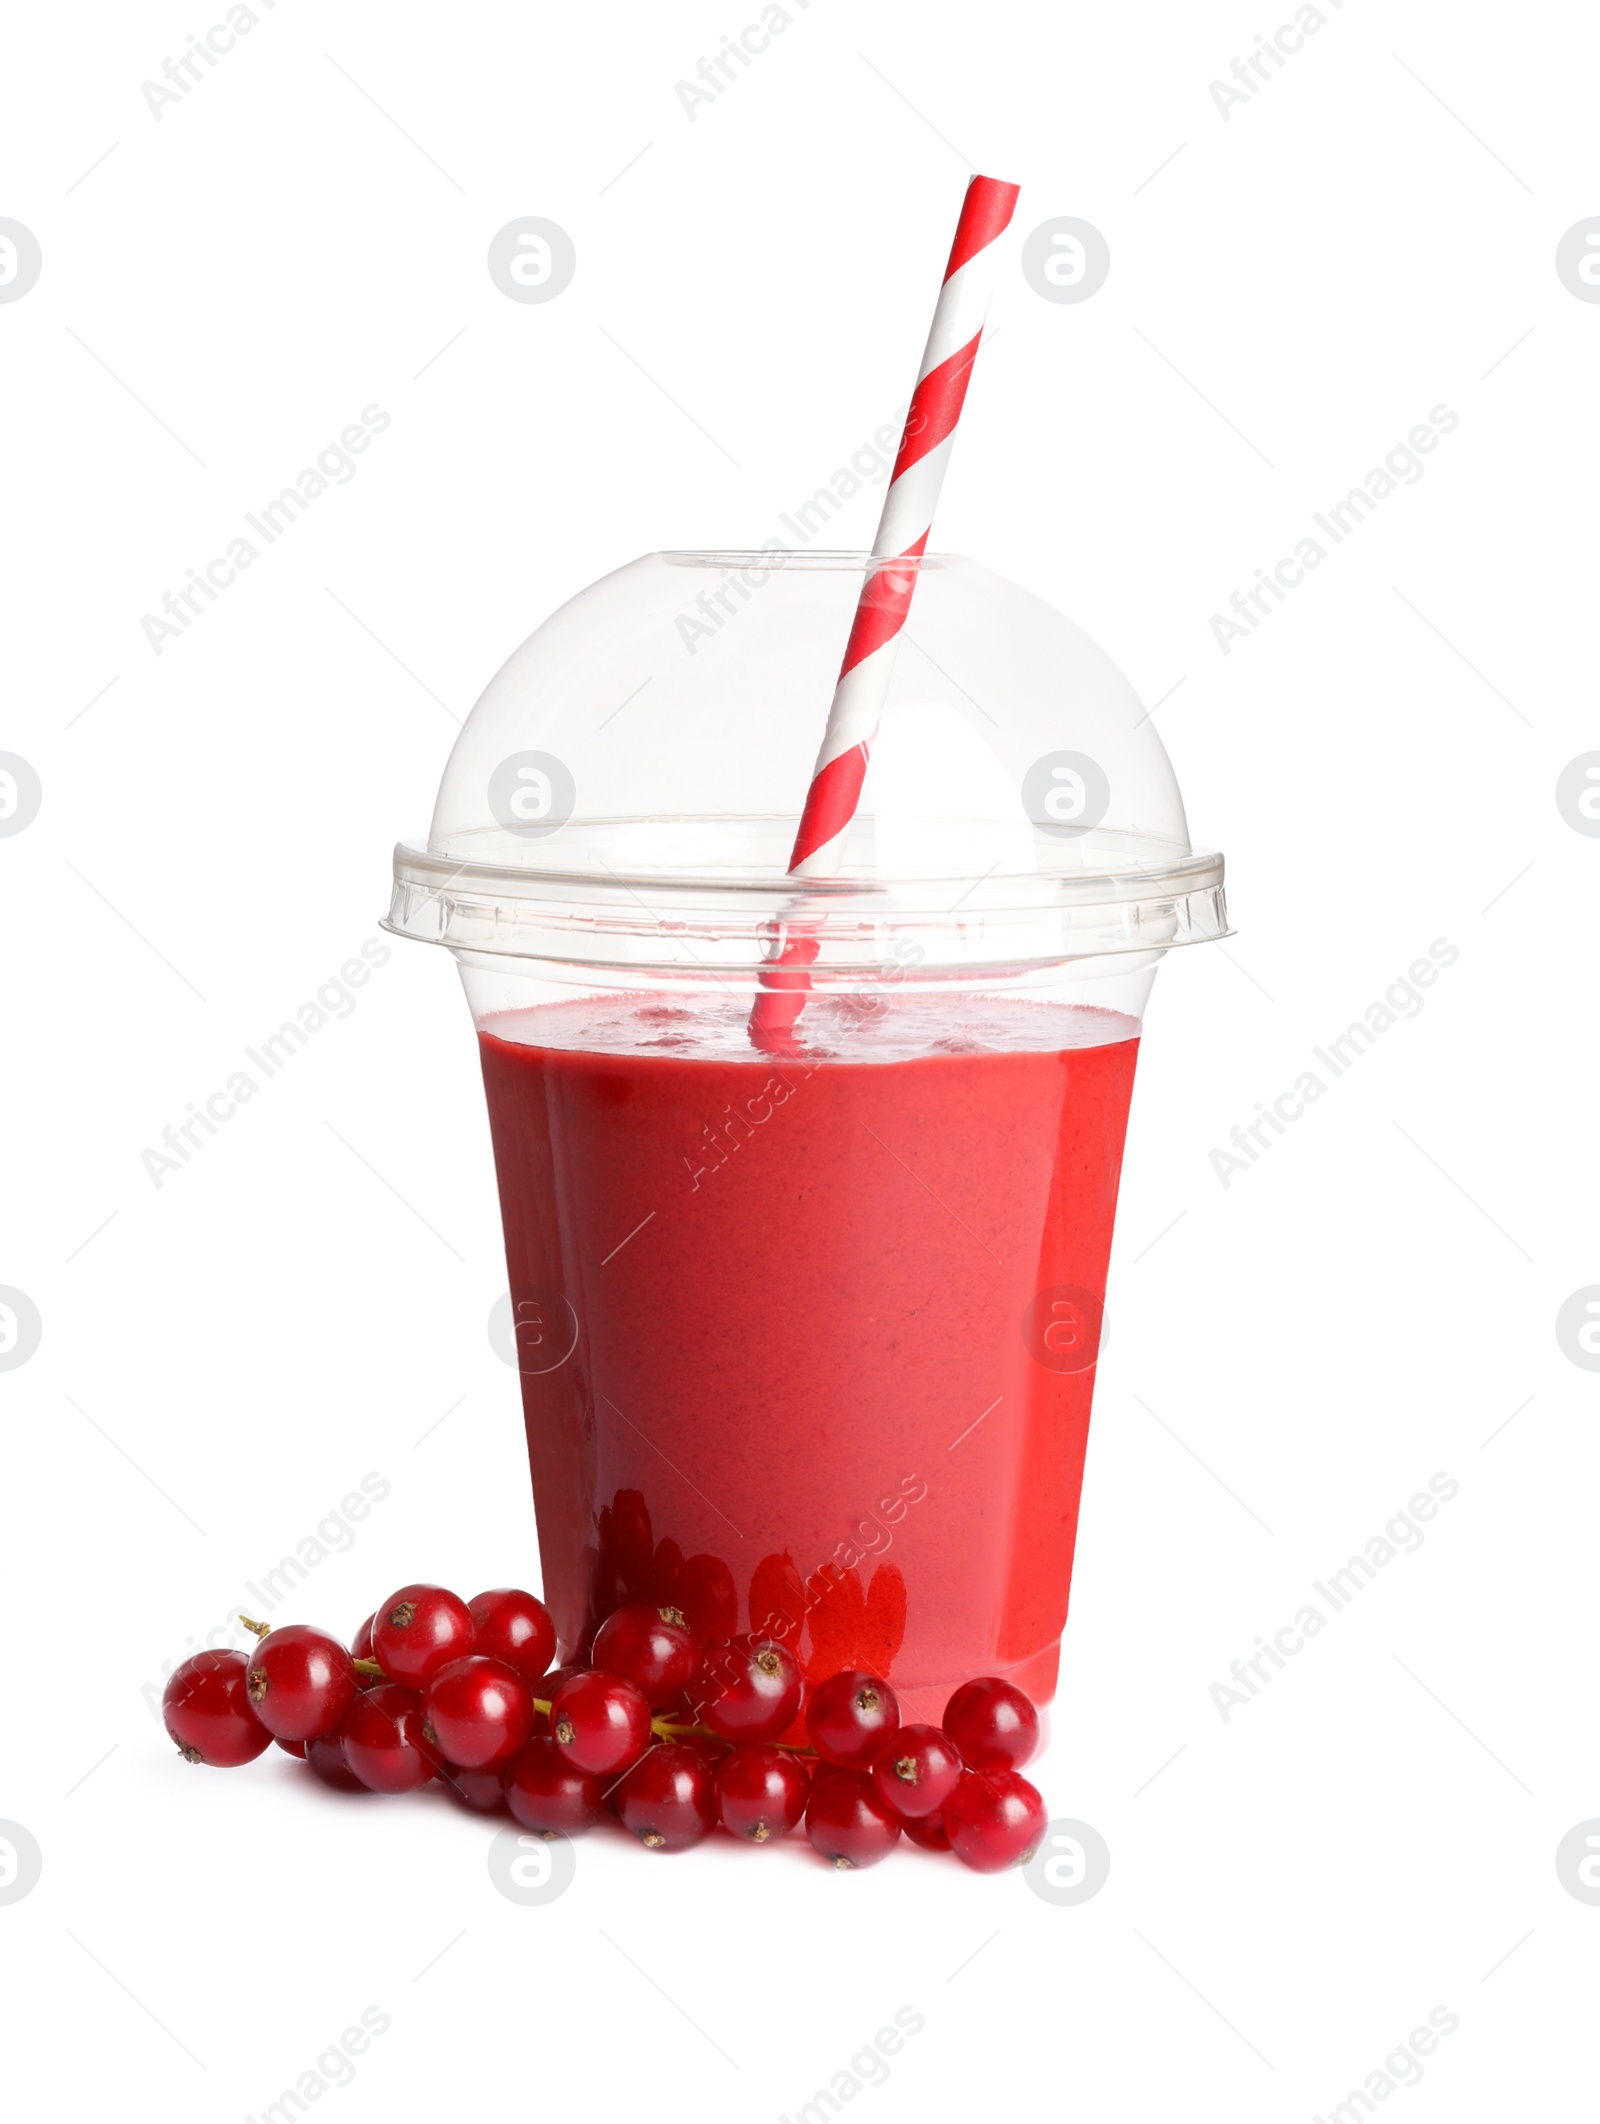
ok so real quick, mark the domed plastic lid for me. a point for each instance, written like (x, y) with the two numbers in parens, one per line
(626, 791)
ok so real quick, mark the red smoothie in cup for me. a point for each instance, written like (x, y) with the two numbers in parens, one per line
(808, 1346)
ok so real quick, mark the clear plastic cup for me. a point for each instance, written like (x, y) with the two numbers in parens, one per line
(808, 1342)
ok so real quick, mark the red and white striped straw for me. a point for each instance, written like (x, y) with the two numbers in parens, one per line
(903, 529)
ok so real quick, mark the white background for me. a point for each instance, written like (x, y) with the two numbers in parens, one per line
(304, 234)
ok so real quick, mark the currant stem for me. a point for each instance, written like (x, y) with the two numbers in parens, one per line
(367, 1667)
(668, 1729)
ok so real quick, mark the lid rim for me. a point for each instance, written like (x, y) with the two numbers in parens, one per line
(824, 972)
(690, 928)
(522, 882)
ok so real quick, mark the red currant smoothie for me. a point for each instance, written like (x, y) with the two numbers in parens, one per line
(808, 1346)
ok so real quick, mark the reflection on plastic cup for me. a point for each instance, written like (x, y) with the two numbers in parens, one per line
(532, 260)
(1064, 1328)
(21, 1862)
(528, 1868)
(534, 1331)
(1072, 1863)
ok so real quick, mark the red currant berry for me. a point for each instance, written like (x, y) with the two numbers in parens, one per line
(600, 1722)
(849, 1715)
(848, 1823)
(477, 1712)
(419, 1630)
(993, 1725)
(207, 1710)
(360, 1649)
(916, 1769)
(928, 1830)
(651, 1647)
(545, 1689)
(484, 1791)
(515, 1628)
(668, 1799)
(295, 1748)
(994, 1819)
(325, 1756)
(301, 1682)
(761, 1791)
(547, 1793)
(749, 1689)
(706, 1744)
(383, 1743)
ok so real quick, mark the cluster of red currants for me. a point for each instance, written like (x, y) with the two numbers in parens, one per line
(670, 1736)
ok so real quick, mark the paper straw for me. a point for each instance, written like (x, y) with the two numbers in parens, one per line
(930, 430)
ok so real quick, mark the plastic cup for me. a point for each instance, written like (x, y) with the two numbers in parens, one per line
(808, 1344)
